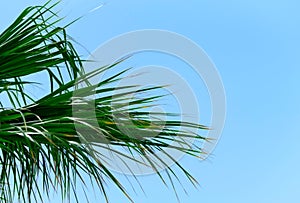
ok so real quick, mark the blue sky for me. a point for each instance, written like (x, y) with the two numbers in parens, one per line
(255, 46)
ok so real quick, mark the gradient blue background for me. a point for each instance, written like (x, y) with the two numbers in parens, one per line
(256, 47)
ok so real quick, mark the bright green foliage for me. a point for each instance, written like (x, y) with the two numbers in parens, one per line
(41, 149)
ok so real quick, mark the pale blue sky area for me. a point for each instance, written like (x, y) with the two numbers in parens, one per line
(256, 47)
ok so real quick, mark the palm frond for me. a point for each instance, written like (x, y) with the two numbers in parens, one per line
(41, 139)
(32, 44)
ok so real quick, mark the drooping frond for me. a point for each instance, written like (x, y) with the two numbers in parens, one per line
(52, 139)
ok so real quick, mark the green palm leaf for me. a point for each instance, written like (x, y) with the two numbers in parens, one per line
(39, 138)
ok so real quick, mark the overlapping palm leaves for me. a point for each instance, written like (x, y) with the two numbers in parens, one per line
(41, 148)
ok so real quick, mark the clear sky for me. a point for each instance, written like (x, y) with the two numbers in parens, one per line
(256, 47)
